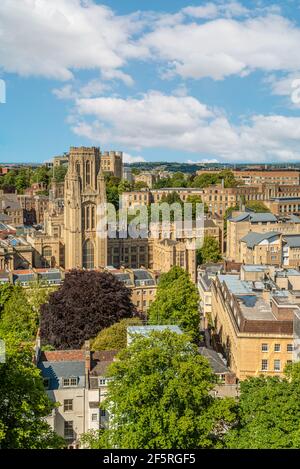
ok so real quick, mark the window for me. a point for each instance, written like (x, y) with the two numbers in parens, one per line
(277, 365)
(94, 417)
(288, 362)
(102, 413)
(47, 251)
(264, 365)
(102, 381)
(88, 172)
(46, 383)
(68, 405)
(277, 348)
(68, 429)
(88, 254)
(68, 382)
(264, 347)
(289, 347)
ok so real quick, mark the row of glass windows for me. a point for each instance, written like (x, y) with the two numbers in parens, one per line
(276, 365)
(277, 347)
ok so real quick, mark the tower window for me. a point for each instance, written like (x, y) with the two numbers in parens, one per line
(88, 172)
(88, 255)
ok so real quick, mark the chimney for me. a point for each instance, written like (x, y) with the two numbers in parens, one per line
(87, 356)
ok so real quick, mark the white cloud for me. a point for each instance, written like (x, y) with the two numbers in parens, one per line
(127, 158)
(203, 161)
(155, 120)
(54, 38)
(287, 86)
(90, 89)
(226, 46)
(213, 10)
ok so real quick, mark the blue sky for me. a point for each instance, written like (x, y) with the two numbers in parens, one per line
(185, 81)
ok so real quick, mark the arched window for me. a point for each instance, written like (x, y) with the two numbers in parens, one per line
(88, 173)
(88, 255)
(89, 216)
(93, 217)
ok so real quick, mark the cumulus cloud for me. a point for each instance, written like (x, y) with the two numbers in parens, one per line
(52, 39)
(127, 158)
(156, 120)
(217, 39)
(225, 46)
(213, 10)
(203, 161)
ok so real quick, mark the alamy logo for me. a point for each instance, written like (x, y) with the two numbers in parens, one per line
(296, 91)
(2, 92)
(2, 351)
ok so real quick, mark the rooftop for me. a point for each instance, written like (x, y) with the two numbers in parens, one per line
(253, 239)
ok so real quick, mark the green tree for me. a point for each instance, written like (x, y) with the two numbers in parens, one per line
(59, 173)
(159, 397)
(210, 251)
(42, 174)
(6, 291)
(268, 413)
(140, 185)
(115, 336)
(19, 319)
(135, 171)
(124, 186)
(196, 199)
(176, 302)
(24, 403)
(257, 206)
(22, 180)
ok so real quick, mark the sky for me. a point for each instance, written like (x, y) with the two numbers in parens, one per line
(169, 80)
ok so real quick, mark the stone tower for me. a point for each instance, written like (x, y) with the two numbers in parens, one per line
(83, 196)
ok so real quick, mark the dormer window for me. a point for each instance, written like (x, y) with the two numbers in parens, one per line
(70, 382)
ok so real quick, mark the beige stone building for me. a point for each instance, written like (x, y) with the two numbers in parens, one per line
(252, 177)
(252, 326)
(241, 224)
(70, 237)
(112, 162)
(147, 178)
(85, 245)
(142, 283)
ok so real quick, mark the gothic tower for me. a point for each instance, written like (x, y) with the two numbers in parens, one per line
(84, 196)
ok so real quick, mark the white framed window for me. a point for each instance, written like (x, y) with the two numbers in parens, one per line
(68, 429)
(68, 405)
(277, 365)
(70, 382)
(264, 365)
(289, 348)
(264, 347)
(277, 348)
(94, 417)
(102, 381)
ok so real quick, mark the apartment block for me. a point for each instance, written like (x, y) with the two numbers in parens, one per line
(240, 224)
(253, 325)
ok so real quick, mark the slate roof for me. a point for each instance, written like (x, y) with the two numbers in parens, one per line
(214, 359)
(56, 371)
(254, 217)
(253, 239)
(293, 241)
